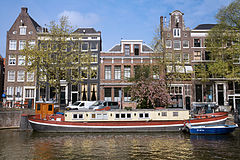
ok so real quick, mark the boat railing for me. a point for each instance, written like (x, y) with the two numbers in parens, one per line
(49, 117)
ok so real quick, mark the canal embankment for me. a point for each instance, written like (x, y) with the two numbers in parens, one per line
(11, 118)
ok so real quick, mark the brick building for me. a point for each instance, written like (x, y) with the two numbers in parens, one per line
(19, 83)
(117, 66)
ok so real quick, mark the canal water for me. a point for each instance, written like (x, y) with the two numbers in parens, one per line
(19, 145)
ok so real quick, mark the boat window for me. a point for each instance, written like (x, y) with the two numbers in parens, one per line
(135, 114)
(117, 115)
(122, 115)
(50, 107)
(128, 115)
(81, 116)
(93, 116)
(105, 104)
(146, 115)
(158, 114)
(164, 114)
(141, 115)
(38, 107)
(74, 115)
(175, 114)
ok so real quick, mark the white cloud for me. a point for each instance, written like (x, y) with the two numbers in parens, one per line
(79, 19)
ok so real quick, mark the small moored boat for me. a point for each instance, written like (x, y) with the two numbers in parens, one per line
(211, 129)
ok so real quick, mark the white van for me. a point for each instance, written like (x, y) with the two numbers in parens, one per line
(80, 105)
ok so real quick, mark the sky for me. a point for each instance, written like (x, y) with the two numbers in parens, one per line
(116, 19)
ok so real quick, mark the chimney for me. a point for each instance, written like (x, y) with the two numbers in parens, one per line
(24, 10)
(161, 26)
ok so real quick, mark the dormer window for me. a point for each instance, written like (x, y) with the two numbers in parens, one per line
(127, 49)
(177, 21)
(23, 30)
(176, 32)
(136, 49)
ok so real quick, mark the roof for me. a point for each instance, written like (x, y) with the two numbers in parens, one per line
(117, 48)
(36, 25)
(86, 30)
(204, 26)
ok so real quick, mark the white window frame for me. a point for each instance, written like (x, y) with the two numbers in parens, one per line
(127, 49)
(170, 44)
(21, 60)
(197, 56)
(30, 76)
(10, 91)
(184, 57)
(11, 76)
(176, 32)
(117, 73)
(107, 72)
(22, 30)
(12, 60)
(86, 44)
(174, 42)
(32, 43)
(12, 44)
(94, 57)
(91, 44)
(29, 92)
(187, 43)
(92, 69)
(199, 42)
(18, 89)
(127, 72)
(20, 76)
(22, 44)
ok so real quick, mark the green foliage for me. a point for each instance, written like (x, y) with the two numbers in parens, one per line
(223, 44)
(56, 56)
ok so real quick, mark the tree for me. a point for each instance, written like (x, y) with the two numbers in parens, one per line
(147, 91)
(223, 44)
(56, 57)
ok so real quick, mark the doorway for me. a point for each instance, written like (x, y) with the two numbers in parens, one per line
(220, 93)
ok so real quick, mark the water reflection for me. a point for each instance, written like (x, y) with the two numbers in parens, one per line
(33, 145)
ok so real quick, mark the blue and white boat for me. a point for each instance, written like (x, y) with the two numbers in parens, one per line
(211, 129)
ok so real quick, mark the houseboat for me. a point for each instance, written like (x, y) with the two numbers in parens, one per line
(118, 120)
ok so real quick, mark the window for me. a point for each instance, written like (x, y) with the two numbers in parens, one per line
(127, 49)
(80, 116)
(29, 93)
(84, 46)
(175, 114)
(168, 44)
(117, 115)
(12, 59)
(23, 30)
(84, 92)
(30, 76)
(116, 94)
(38, 107)
(12, 45)
(74, 73)
(31, 43)
(94, 37)
(127, 72)
(185, 44)
(94, 46)
(177, 45)
(197, 42)
(107, 94)
(143, 115)
(22, 44)
(18, 92)
(20, 77)
(169, 56)
(207, 55)
(176, 32)
(185, 57)
(14, 32)
(50, 107)
(107, 72)
(127, 96)
(197, 55)
(93, 95)
(74, 115)
(11, 76)
(177, 57)
(21, 60)
(10, 91)
(187, 90)
(117, 72)
(84, 72)
(164, 114)
(94, 73)
(94, 58)
(136, 49)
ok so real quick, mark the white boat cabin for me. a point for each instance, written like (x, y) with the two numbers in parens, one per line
(125, 115)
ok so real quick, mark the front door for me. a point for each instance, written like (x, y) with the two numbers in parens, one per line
(62, 96)
(198, 93)
(220, 94)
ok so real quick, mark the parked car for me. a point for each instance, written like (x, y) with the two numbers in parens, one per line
(103, 104)
(80, 105)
